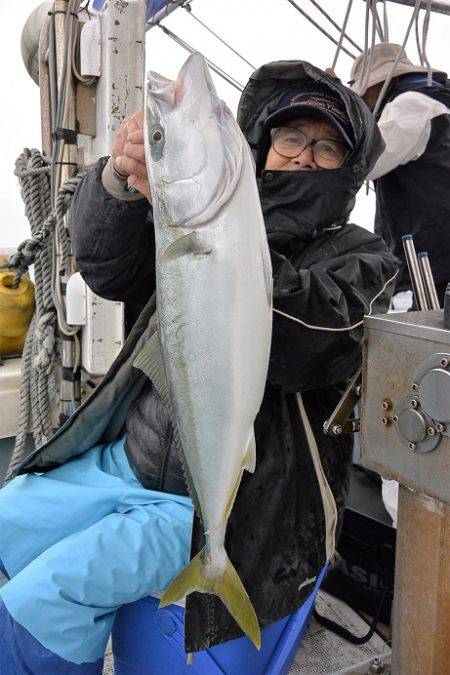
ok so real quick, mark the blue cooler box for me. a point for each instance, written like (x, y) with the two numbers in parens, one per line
(151, 641)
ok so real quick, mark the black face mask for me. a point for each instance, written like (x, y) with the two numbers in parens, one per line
(302, 204)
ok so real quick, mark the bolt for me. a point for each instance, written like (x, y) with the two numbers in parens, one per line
(412, 446)
(444, 363)
(395, 418)
(415, 386)
(440, 428)
(336, 429)
(386, 405)
(386, 421)
(431, 431)
(376, 665)
(414, 403)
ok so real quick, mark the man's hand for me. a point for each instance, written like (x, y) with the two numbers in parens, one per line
(128, 155)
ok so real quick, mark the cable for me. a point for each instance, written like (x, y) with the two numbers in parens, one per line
(331, 20)
(224, 42)
(228, 78)
(385, 21)
(316, 25)
(344, 328)
(394, 65)
(344, 26)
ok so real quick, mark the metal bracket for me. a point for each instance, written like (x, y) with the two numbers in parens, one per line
(339, 423)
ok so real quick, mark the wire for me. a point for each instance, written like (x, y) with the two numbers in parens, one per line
(344, 328)
(189, 11)
(344, 26)
(228, 78)
(331, 20)
(316, 25)
(394, 65)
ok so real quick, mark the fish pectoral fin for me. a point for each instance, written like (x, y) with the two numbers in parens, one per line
(189, 244)
(249, 461)
(227, 586)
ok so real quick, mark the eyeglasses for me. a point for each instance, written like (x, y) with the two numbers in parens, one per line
(290, 142)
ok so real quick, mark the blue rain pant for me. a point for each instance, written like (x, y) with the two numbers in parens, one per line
(77, 543)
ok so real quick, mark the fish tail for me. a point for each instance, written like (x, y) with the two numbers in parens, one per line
(226, 585)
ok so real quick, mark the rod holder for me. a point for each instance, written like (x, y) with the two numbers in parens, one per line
(414, 272)
(428, 280)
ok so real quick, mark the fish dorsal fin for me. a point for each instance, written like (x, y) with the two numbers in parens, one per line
(249, 461)
(150, 361)
(189, 244)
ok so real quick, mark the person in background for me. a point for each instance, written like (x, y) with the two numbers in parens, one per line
(412, 176)
(102, 516)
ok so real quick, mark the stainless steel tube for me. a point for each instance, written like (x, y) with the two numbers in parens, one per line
(414, 272)
(428, 280)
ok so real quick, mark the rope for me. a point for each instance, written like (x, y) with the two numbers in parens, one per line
(188, 9)
(228, 78)
(341, 38)
(333, 22)
(37, 387)
(316, 25)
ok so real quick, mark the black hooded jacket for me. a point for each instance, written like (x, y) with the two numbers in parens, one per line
(414, 197)
(327, 275)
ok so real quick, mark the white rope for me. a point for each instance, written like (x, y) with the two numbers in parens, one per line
(343, 328)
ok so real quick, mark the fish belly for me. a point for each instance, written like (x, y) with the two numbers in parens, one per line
(215, 328)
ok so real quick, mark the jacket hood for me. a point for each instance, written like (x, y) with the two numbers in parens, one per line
(310, 200)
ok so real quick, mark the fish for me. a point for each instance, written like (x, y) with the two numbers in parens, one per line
(210, 353)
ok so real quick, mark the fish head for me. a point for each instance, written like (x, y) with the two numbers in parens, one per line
(194, 146)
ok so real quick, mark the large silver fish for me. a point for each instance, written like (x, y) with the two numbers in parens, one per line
(209, 357)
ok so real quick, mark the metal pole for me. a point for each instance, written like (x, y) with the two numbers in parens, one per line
(414, 272)
(439, 6)
(70, 391)
(428, 280)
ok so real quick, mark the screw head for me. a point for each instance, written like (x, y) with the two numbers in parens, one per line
(440, 428)
(336, 429)
(444, 363)
(431, 431)
(412, 446)
(395, 418)
(415, 386)
(386, 405)
(414, 403)
(386, 421)
(376, 665)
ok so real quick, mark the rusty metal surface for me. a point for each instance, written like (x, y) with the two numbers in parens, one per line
(421, 613)
(394, 345)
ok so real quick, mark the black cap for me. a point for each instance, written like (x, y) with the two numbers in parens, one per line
(316, 100)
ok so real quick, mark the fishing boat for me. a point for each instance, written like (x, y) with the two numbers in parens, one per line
(89, 62)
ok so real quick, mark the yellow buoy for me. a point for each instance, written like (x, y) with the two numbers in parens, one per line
(16, 311)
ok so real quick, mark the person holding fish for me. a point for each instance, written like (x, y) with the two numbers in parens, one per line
(199, 463)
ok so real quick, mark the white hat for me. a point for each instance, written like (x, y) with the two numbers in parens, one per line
(381, 58)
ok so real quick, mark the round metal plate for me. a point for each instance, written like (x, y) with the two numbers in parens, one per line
(412, 425)
(434, 394)
(433, 361)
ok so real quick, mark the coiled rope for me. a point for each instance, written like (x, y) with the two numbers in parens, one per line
(38, 387)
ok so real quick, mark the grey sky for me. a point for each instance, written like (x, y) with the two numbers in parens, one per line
(262, 30)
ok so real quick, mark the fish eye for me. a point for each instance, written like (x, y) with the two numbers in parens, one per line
(156, 136)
